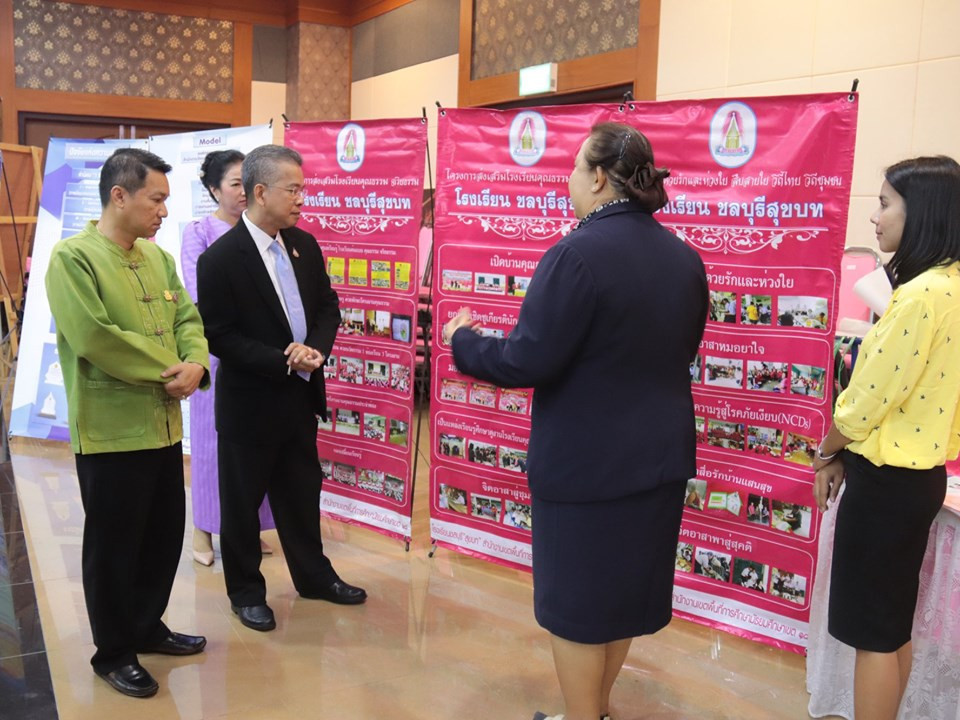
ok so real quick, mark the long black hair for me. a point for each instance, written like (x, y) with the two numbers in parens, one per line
(215, 166)
(930, 188)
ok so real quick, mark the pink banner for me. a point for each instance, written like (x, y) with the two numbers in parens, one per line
(760, 187)
(364, 193)
(501, 202)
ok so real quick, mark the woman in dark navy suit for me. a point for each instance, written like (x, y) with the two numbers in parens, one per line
(609, 325)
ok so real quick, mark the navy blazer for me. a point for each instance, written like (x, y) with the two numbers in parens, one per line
(611, 320)
(256, 398)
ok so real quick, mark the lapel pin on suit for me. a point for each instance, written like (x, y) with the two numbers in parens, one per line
(295, 253)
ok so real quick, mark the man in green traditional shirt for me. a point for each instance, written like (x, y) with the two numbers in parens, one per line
(131, 347)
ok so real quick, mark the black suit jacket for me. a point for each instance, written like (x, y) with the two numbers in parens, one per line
(257, 400)
(611, 320)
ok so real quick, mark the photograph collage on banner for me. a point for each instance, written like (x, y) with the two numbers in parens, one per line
(502, 201)
(764, 201)
(767, 214)
(363, 193)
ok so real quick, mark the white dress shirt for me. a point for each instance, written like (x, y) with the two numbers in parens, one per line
(264, 242)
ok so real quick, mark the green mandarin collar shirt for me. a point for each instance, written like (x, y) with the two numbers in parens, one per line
(122, 318)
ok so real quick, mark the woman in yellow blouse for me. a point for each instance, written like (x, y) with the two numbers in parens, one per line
(893, 429)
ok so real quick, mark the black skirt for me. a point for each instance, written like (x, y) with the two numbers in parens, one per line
(603, 571)
(883, 521)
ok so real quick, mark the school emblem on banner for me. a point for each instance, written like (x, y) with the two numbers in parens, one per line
(351, 144)
(733, 135)
(528, 138)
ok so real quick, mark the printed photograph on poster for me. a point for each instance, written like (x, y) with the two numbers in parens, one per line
(326, 425)
(490, 284)
(696, 492)
(453, 390)
(758, 510)
(517, 285)
(792, 518)
(452, 446)
(401, 276)
(767, 376)
(358, 272)
(399, 432)
(375, 427)
(696, 369)
(517, 515)
(724, 372)
(684, 559)
(393, 488)
(756, 310)
(400, 328)
(485, 507)
(800, 449)
(729, 501)
(351, 370)
(457, 280)
(802, 311)
(514, 401)
(807, 380)
(335, 269)
(723, 306)
(789, 586)
(765, 441)
(377, 374)
(712, 564)
(348, 422)
(513, 459)
(371, 481)
(452, 498)
(726, 435)
(377, 324)
(482, 453)
(380, 274)
(330, 368)
(483, 395)
(326, 468)
(351, 321)
(700, 424)
(750, 575)
(345, 474)
(400, 377)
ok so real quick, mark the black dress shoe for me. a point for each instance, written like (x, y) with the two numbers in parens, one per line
(256, 617)
(132, 680)
(341, 593)
(178, 644)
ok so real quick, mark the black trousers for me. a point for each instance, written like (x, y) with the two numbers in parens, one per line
(132, 540)
(288, 472)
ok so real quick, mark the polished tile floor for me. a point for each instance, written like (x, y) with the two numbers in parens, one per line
(442, 637)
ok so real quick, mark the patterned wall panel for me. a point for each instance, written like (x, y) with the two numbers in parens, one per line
(511, 34)
(89, 49)
(318, 72)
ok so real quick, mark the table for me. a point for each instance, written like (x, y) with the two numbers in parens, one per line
(933, 692)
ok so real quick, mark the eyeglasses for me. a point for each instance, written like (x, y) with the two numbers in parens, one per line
(293, 192)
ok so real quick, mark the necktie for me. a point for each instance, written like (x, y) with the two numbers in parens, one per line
(291, 297)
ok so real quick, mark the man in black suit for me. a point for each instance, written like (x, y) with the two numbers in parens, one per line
(271, 317)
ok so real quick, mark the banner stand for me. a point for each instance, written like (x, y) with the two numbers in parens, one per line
(427, 332)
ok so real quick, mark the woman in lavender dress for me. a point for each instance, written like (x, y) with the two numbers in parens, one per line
(221, 176)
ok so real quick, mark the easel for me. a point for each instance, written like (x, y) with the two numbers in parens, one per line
(20, 187)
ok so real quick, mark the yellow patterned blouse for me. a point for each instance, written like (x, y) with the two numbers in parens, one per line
(903, 404)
